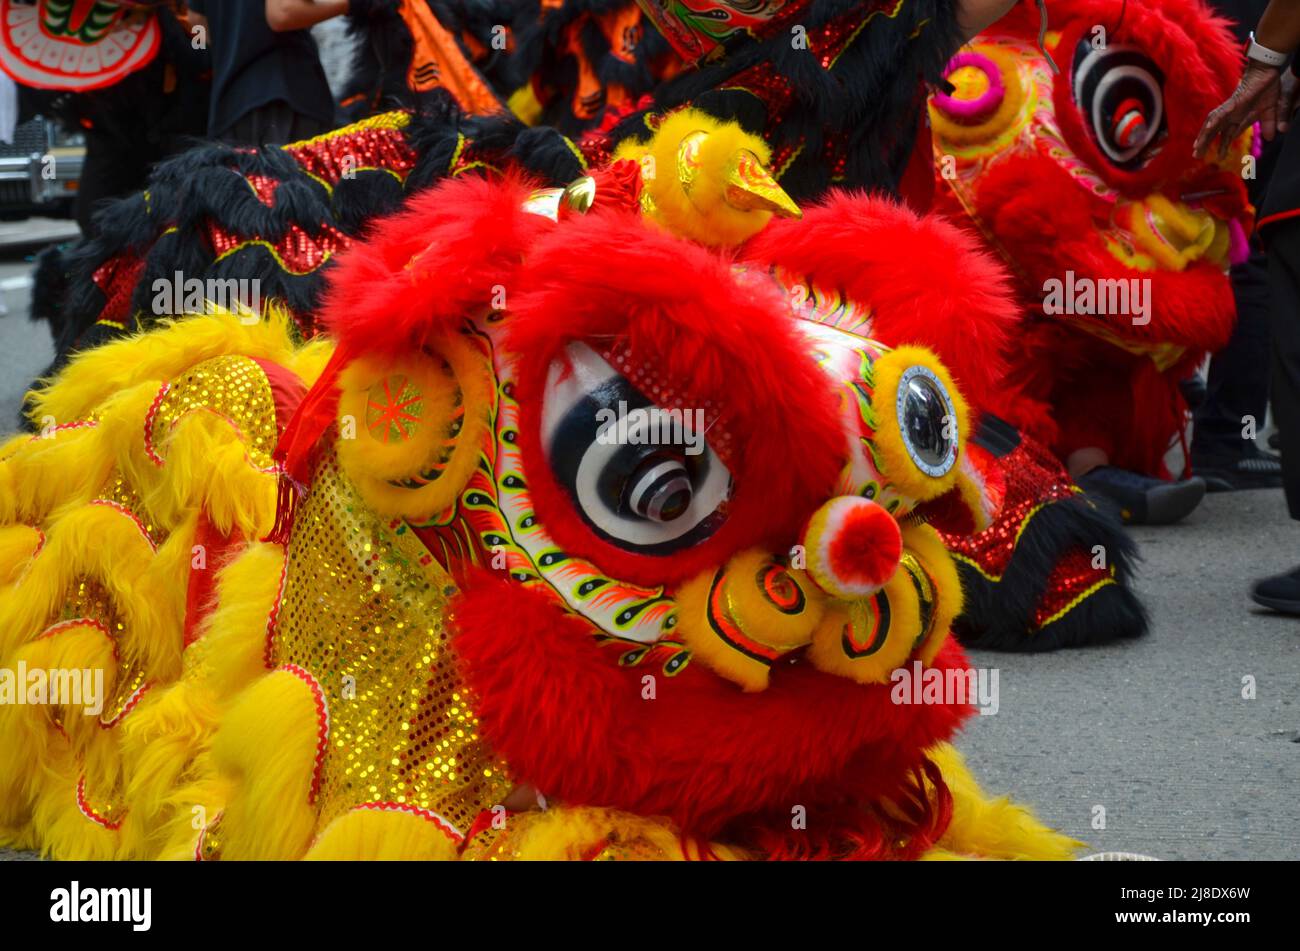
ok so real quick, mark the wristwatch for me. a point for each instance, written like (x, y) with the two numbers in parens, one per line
(1262, 54)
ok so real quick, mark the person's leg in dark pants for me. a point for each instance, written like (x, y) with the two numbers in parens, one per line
(1282, 592)
(275, 123)
(1224, 449)
(1284, 283)
(111, 170)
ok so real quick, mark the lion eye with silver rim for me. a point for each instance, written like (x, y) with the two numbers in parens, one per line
(927, 420)
(1120, 92)
(640, 478)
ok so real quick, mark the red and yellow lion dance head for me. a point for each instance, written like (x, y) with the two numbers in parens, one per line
(1078, 171)
(588, 515)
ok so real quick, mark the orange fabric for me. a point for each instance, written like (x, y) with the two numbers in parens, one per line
(476, 49)
(588, 95)
(622, 29)
(438, 61)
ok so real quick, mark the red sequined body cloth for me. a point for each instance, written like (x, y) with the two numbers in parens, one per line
(1035, 481)
(262, 218)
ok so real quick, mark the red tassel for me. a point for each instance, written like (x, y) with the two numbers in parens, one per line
(482, 822)
(286, 506)
(293, 453)
(314, 415)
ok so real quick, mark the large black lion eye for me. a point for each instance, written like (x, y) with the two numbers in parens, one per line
(1120, 92)
(642, 478)
(926, 421)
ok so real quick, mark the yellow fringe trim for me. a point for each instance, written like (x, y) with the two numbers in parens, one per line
(991, 828)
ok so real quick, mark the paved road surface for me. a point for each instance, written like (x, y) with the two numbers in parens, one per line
(1156, 732)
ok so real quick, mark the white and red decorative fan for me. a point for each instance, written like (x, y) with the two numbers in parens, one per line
(76, 45)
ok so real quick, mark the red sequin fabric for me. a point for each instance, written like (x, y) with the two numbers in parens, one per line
(117, 278)
(1035, 480)
(377, 143)
(297, 252)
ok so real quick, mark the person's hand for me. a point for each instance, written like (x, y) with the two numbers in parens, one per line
(1286, 103)
(1255, 98)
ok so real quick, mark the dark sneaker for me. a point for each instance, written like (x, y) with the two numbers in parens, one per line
(1194, 391)
(1253, 469)
(1280, 592)
(1142, 500)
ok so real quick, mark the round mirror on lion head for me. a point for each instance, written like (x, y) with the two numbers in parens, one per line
(927, 420)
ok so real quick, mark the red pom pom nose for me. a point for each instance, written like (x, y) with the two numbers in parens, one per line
(853, 547)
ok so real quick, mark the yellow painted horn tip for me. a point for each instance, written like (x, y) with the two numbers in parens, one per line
(751, 187)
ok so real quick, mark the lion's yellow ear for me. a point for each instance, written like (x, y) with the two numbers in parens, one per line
(707, 180)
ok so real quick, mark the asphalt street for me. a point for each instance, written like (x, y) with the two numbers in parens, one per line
(1146, 746)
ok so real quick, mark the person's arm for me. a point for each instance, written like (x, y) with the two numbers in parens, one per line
(284, 15)
(1279, 26)
(1261, 95)
(196, 14)
(974, 16)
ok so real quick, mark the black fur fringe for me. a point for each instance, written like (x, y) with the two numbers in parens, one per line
(864, 97)
(384, 50)
(49, 289)
(997, 615)
(167, 225)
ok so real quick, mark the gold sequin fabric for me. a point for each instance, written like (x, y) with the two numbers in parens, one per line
(131, 677)
(364, 612)
(122, 494)
(233, 387)
(88, 601)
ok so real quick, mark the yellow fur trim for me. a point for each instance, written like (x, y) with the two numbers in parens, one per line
(994, 828)
(17, 545)
(39, 473)
(523, 103)
(309, 362)
(208, 467)
(228, 654)
(269, 740)
(95, 375)
(159, 741)
(195, 810)
(704, 214)
(377, 835)
(72, 647)
(164, 738)
(900, 470)
(101, 542)
(65, 832)
(29, 748)
(591, 833)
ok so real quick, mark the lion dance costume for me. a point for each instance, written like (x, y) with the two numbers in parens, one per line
(1033, 580)
(1108, 136)
(424, 591)
(423, 588)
